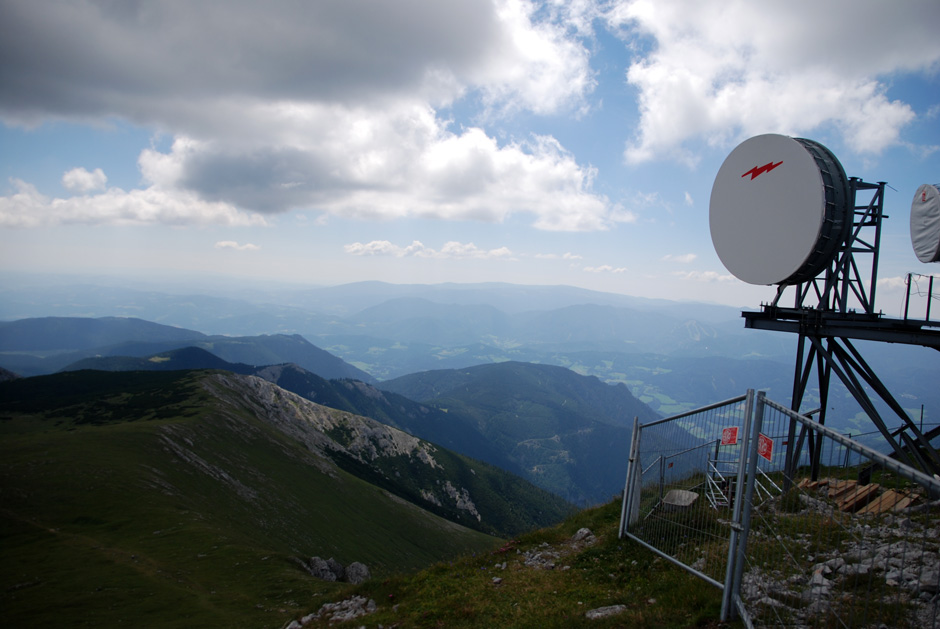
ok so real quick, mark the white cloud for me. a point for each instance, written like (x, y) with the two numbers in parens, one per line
(723, 71)
(704, 276)
(26, 207)
(450, 250)
(555, 256)
(919, 284)
(95, 58)
(80, 180)
(231, 244)
(394, 163)
(546, 70)
(336, 105)
(605, 268)
(688, 199)
(684, 258)
(892, 283)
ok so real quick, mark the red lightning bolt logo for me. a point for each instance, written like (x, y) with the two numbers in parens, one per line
(757, 171)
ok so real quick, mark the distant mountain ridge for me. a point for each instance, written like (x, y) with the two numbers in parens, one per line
(348, 395)
(45, 345)
(644, 343)
(78, 333)
(173, 360)
(567, 433)
(564, 432)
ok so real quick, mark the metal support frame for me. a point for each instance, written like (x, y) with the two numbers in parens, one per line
(839, 305)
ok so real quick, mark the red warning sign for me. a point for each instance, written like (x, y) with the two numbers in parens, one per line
(765, 446)
(729, 436)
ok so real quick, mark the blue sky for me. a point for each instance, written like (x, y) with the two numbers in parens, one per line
(550, 142)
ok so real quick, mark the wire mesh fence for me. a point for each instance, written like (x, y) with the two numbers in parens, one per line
(685, 477)
(854, 541)
(799, 525)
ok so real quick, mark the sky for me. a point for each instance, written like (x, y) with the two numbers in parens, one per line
(422, 141)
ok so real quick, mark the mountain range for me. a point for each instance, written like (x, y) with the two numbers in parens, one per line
(48, 344)
(189, 475)
(617, 338)
(564, 432)
(198, 495)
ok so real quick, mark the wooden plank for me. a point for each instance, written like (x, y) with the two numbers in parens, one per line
(859, 497)
(905, 501)
(841, 488)
(882, 503)
(809, 484)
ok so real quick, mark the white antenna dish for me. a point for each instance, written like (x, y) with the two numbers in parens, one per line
(779, 210)
(925, 223)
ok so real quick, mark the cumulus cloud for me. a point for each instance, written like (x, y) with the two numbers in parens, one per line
(722, 71)
(684, 258)
(104, 58)
(450, 250)
(918, 283)
(27, 207)
(705, 276)
(231, 244)
(555, 256)
(605, 268)
(396, 163)
(80, 180)
(330, 106)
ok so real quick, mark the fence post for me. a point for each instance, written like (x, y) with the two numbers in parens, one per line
(727, 610)
(631, 505)
(662, 477)
(749, 495)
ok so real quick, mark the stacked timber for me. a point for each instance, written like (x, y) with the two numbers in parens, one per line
(851, 497)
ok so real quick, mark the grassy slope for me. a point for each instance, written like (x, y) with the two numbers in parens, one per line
(104, 521)
(610, 572)
(507, 504)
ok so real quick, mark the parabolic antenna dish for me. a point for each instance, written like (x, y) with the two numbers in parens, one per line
(925, 223)
(779, 210)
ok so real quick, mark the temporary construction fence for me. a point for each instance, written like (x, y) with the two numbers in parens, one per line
(841, 536)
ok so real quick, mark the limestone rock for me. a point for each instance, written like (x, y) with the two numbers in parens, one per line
(604, 612)
(320, 569)
(357, 573)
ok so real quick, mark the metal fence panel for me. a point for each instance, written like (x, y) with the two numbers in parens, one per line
(683, 481)
(843, 536)
(853, 542)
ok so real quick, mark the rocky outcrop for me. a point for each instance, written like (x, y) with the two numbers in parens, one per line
(338, 612)
(895, 556)
(324, 429)
(335, 434)
(547, 557)
(357, 573)
(543, 557)
(332, 570)
(461, 497)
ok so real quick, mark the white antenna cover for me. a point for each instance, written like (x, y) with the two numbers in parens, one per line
(778, 210)
(925, 223)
